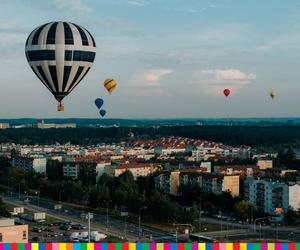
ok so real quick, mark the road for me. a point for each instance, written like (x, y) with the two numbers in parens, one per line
(119, 228)
(247, 231)
(116, 227)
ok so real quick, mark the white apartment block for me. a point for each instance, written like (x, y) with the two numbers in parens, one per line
(268, 195)
(29, 163)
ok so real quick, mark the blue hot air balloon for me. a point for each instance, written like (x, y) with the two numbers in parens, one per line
(99, 102)
(102, 112)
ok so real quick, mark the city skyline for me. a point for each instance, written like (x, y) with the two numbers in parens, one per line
(171, 59)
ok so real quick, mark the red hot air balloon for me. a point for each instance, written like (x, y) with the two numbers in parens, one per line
(226, 92)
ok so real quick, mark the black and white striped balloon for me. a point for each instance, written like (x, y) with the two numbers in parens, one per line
(60, 54)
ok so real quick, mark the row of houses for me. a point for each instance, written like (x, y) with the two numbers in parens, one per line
(266, 195)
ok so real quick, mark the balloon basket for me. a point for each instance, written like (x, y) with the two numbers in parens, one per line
(60, 107)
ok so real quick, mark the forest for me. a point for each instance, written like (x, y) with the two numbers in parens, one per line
(255, 136)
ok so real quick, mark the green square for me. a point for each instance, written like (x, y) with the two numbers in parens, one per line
(187, 246)
(83, 246)
(256, 246)
(297, 246)
(21, 246)
(118, 246)
(146, 246)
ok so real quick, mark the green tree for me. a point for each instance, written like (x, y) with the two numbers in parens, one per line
(290, 217)
(54, 170)
(3, 210)
(160, 207)
(87, 174)
(244, 210)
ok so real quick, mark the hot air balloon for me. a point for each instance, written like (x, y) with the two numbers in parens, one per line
(60, 54)
(272, 94)
(102, 112)
(226, 92)
(110, 85)
(99, 102)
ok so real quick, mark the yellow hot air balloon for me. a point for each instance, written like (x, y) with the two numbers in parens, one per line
(273, 94)
(110, 85)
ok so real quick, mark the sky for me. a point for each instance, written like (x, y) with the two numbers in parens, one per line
(170, 58)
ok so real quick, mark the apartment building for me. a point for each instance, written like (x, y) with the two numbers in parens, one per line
(4, 125)
(71, 170)
(137, 169)
(265, 164)
(248, 171)
(38, 164)
(169, 182)
(269, 195)
(42, 125)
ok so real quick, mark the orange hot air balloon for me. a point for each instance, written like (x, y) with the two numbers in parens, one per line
(226, 92)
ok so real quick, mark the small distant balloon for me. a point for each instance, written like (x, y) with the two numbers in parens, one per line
(102, 112)
(226, 92)
(110, 85)
(273, 94)
(99, 102)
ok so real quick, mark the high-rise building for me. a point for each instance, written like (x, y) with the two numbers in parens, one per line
(169, 182)
(269, 195)
(38, 164)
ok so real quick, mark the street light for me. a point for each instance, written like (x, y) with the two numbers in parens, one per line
(107, 202)
(140, 210)
(38, 194)
(254, 223)
(200, 216)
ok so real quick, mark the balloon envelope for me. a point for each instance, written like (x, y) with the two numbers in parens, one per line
(226, 92)
(99, 102)
(60, 54)
(110, 85)
(273, 94)
(102, 112)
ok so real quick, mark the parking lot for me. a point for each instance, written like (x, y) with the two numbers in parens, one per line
(51, 231)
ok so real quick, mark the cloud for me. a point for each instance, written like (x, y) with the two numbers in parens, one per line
(190, 10)
(228, 74)
(150, 78)
(212, 81)
(138, 2)
(77, 6)
(153, 76)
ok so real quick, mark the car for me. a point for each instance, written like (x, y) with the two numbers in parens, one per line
(19, 222)
(57, 223)
(50, 225)
(48, 229)
(53, 235)
(74, 236)
(37, 230)
(67, 222)
(35, 238)
(65, 227)
(83, 236)
(66, 234)
(78, 226)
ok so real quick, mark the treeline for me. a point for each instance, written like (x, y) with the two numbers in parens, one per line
(233, 135)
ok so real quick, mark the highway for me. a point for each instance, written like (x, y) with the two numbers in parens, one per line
(116, 227)
(130, 231)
